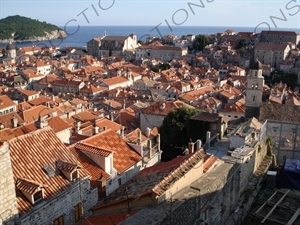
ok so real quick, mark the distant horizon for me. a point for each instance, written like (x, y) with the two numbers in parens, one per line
(235, 13)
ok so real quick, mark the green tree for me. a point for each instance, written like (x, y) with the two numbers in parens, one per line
(200, 42)
(24, 27)
(160, 66)
(242, 50)
(175, 133)
(241, 44)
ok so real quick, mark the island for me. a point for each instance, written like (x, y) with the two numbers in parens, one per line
(24, 29)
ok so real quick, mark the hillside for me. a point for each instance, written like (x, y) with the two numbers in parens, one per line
(25, 29)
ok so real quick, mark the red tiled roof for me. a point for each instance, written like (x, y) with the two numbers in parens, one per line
(5, 102)
(58, 124)
(103, 122)
(6, 119)
(152, 179)
(65, 166)
(93, 149)
(28, 186)
(94, 170)
(28, 92)
(133, 136)
(33, 113)
(124, 157)
(114, 80)
(66, 83)
(32, 152)
(85, 116)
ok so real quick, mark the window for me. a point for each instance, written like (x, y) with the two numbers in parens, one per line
(120, 181)
(78, 212)
(37, 196)
(254, 98)
(59, 221)
(74, 175)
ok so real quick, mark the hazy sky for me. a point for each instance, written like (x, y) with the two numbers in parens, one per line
(245, 13)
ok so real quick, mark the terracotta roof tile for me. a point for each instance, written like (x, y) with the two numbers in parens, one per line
(93, 149)
(85, 116)
(152, 179)
(124, 157)
(66, 166)
(32, 152)
(33, 113)
(115, 80)
(58, 124)
(28, 186)
(94, 170)
(5, 102)
(133, 136)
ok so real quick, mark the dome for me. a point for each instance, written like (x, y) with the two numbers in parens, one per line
(256, 65)
(10, 46)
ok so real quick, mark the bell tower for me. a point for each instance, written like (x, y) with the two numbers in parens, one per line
(255, 83)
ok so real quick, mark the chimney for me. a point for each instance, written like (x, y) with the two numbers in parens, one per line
(191, 147)
(41, 123)
(208, 139)
(139, 137)
(148, 132)
(14, 121)
(112, 116)
(122, 131)
(158, 141)
(150, 148)
(124, 104)
(104, 128)
(77, 125)
(101, 183)
(95, 130)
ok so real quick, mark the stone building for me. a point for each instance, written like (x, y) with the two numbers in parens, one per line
(8, 206)
(67, 86)
(45, 181)
(272, 54)
(93, 47)
(274, 36)
(255, 83)
(164, 52)
(117, 45)
(217, 196)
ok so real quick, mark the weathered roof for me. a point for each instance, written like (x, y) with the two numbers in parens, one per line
(30, 153)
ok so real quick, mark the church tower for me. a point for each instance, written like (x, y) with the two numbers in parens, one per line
(11, 50)
(255, 83)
